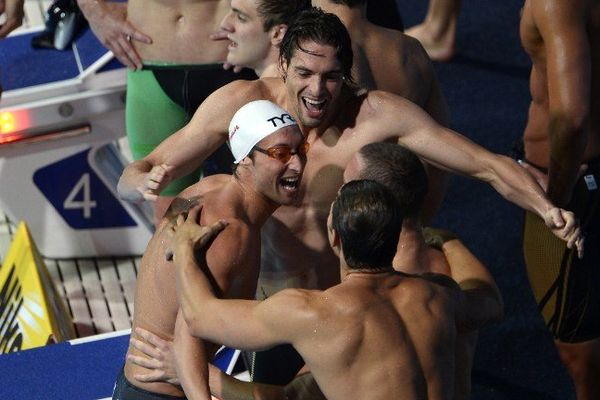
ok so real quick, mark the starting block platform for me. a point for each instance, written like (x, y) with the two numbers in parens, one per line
(61, 114)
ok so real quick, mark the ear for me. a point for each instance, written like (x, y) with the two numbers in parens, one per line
(336, 238)
(277, 34)
(245, 161)
(334, 242)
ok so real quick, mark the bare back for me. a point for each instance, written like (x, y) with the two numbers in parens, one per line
(537, 144)
(156, 305)
(179, 30)
(389, 60)
(383, 337)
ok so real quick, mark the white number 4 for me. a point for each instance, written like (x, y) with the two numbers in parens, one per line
(86, 204)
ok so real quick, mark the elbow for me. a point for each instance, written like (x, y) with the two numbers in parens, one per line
(197, 316)
(192, 321)
(494, 169)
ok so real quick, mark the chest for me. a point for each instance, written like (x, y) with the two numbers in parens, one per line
(326, 160)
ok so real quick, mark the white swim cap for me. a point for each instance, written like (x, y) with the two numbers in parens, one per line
(253, 122)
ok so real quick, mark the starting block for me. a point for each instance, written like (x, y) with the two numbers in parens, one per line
(60, 115)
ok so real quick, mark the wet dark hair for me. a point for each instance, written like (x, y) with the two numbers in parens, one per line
(398, 169)
(317, 26)
(275, 12)
(368, 221)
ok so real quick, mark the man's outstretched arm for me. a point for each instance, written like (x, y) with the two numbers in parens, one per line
(267, 323)
(456, 153)
(185, 150)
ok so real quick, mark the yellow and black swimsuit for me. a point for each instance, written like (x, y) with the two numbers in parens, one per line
(567, 289)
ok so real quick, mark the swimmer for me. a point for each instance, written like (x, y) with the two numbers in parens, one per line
(562, 148)
(379, 334)
(173, 65)
(270, 153)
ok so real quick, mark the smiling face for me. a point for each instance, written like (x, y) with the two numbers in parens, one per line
(277, 180)
(250, 44)
(314, 80)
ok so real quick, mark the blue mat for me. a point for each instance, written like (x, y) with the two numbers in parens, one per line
(63, 371)
(23, 66)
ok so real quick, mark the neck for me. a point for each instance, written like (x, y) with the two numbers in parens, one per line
(347, 272)
(270, 71)
(411, 246)
(268, 66)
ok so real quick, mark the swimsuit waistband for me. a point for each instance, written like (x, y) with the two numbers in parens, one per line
(153, 66)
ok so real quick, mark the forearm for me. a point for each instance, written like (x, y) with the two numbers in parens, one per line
(451, 151)
(516, 185)
(191, 362)
(194, 290)
(484, 300)
(567, 146)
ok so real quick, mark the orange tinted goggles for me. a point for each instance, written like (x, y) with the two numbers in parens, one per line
(283, 153)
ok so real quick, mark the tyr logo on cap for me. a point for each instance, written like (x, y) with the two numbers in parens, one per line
(281, 119)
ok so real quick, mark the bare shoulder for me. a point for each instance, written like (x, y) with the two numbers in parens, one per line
(430, 286)
(305, 305)
(239, 92)
(384, 103)
(548, 11)
(441, 280)
(300, 298)
(415, 54)
(409, 48)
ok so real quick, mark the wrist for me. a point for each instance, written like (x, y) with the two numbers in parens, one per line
(89, 7)
(184, 248)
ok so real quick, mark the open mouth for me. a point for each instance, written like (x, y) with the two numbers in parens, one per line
(232, 44)
(290, 183)
(314, 107)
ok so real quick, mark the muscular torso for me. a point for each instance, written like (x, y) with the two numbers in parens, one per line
(179, 30)
(295, 237)
(156, 306)
(359, 322)
(536, 141)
